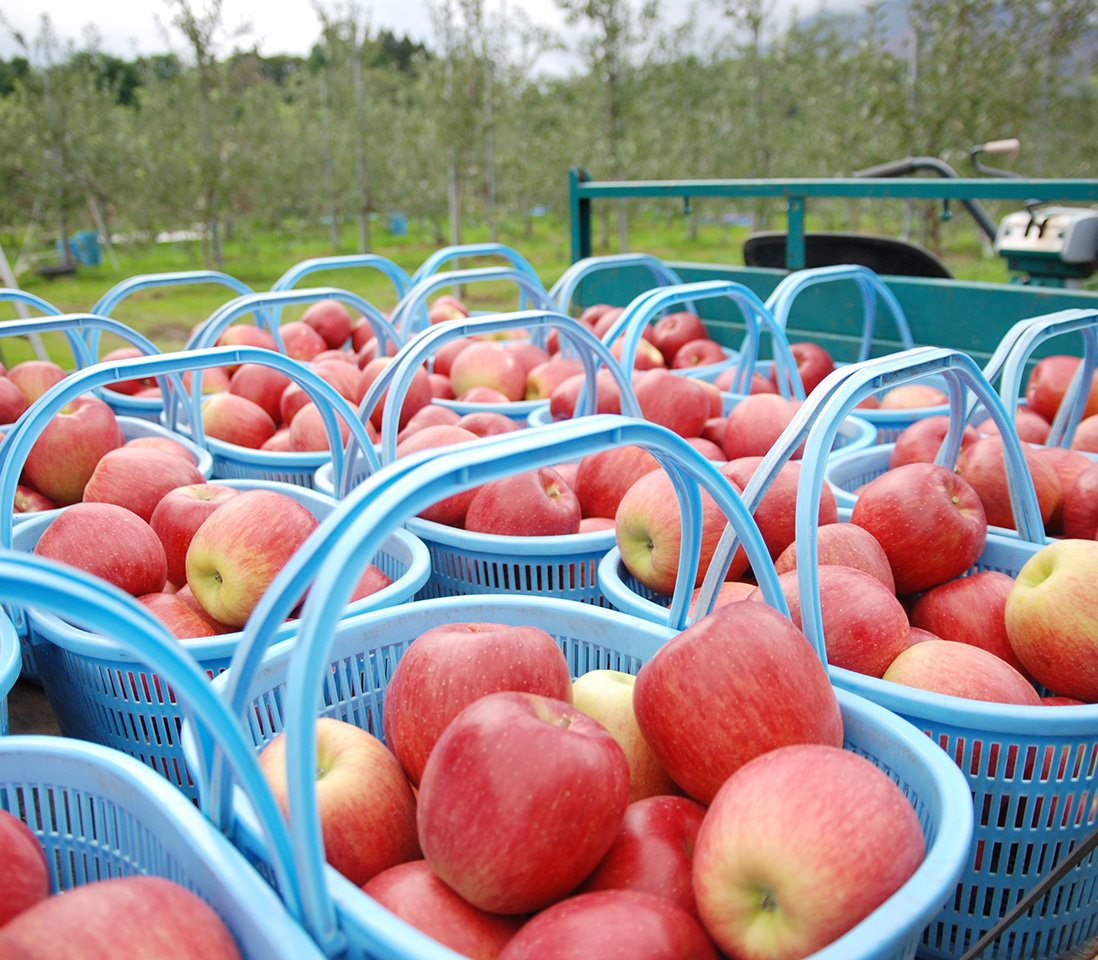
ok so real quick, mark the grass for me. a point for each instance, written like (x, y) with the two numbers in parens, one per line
(166, 314)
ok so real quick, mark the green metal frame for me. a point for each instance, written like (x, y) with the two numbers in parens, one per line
(964, 315)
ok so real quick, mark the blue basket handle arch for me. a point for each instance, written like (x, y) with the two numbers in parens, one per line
(333, 559)
(434, 263)
(392, 271)
(816, 424)
(1026, 336)
(110, 300)
(98, 606)
(15, 295)
(399, 373)
(564, 290)
(757, 319)
(869, 284)
(410, 315)
(267, 308)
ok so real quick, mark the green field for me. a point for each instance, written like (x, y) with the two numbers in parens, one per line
(166, 314)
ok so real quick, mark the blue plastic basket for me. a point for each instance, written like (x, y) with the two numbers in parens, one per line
(850, 469)
(353, 660)
(101, 814)
(97, 691)
(235, 462)
(464, 562)
(1025, 820)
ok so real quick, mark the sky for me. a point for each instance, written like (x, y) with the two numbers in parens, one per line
(132, 27)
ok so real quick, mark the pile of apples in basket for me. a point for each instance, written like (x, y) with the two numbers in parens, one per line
(703, 807)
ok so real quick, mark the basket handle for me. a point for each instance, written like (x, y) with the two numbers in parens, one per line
(98, 606)
(564, 290)
(757, 318)
(395, 273)
(29, 426)
(1027, 336)
(410, 315)
(333, 558)
(15, 295)
(268, 306)
(434, 262)
(107, 303)
(398, 374)
(869, 284)
(816, 424)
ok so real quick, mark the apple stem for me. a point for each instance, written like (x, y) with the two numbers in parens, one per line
(566, 721)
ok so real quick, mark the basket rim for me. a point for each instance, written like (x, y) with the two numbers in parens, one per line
(560, 545)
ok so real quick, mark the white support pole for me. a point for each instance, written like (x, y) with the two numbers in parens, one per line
(21, 308)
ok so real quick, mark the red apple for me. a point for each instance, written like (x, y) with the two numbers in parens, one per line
(698, 353)
(366, 805)
(482, 394)
(28, 500)
(755, 423)
(308, 433)
(301, 341)
(653, 853)
(138, 916)
(1031, 427)
(864, 626)
(1050, 621)
(178, 615)
(68, 448)
(846, 544)
(417, 396)
(929, 520)
(262, 385)
(602, 317)
(35, 377)
(648, 528)
(673, 331)
(562, 401)
(279, 441)
(521, 797)
(676, 402)
(440, 387)
(1080, 506)
(535, 503)
(487, 423)
(813, 364)
(178, 514)
(241, 547)
(127, 387)
(214, 380)
(449, 666)
(488, 364)
(12, 401)
(607, 696)
(1068, 464)
(161, 442)
(446, 307)
(603, 923)
(912, 396)
(413, 892)
(920, 441)
(961, 670)
(444, 356)
(982, 465)
(450, 510)
(247, 335)
(731, 591)
(543, 379)
(972, 610)
(433, 414)
(776, 877)
(25, 879)
(647, 357)
(137, 477)
(529, 354)
(775, 514)
(108, 541)
(1048, 383)
(331, 319)
(742, 653)
(236, 420)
